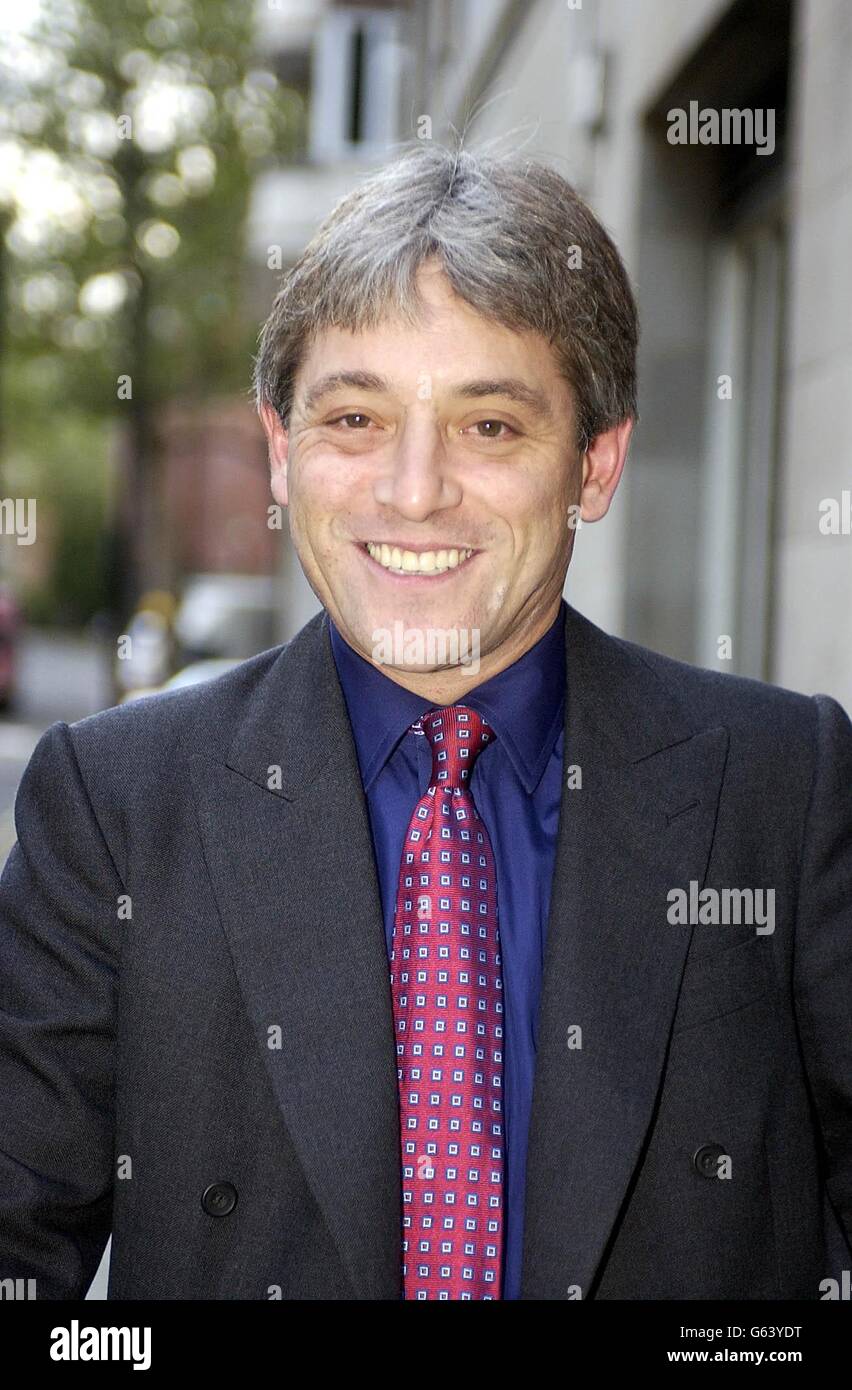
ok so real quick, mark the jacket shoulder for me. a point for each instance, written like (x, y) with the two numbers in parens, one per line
(703, 688)
(195, 718)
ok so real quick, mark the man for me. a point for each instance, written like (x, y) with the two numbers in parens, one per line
(376, 969)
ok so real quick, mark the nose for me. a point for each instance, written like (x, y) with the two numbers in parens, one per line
(415, 480)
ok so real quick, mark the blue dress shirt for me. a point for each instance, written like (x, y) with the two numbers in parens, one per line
(516, 787)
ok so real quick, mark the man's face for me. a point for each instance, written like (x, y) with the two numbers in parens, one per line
(451, 440)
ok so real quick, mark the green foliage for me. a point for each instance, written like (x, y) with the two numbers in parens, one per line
(60, 458)
(140, 124)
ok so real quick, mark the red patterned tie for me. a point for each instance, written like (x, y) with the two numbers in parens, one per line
(448, 1013)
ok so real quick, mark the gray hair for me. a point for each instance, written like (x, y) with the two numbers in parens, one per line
(506, 230)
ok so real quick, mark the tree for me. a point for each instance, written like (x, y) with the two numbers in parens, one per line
(126, 169)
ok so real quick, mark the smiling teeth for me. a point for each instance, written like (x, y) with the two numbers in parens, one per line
(412, 562)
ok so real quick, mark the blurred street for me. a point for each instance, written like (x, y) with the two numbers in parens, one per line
(60, 676)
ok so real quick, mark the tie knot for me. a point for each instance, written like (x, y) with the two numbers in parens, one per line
(457, 735)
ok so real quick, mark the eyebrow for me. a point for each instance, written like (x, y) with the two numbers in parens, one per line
(512, 388)
(361, 381)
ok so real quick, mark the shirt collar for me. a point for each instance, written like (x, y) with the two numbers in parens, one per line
(524, 704)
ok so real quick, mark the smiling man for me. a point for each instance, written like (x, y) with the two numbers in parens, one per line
(364, 971)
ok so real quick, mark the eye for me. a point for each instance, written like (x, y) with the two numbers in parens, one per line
(490, 429)
(352, 415)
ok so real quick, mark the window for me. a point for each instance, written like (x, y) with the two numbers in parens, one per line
(357, 72)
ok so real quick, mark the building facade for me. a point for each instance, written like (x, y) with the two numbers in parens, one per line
(728, 543)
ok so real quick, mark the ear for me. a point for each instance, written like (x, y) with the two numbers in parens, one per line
(279, 443)
(603, 464)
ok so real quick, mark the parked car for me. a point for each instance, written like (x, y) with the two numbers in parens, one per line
(192, 674)
(226, 615)
(144, 656)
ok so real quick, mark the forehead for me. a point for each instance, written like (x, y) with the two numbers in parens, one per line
(451, 341)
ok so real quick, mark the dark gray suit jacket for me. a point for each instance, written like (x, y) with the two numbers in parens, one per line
(196, 1041)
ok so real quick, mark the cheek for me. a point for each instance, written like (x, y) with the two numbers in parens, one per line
(535, 483)
(329, 483)
(316, 492)
(534, 504)
(556, 494)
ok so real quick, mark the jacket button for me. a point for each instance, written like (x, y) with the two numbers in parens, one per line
(219, 1199)
(706, 1160)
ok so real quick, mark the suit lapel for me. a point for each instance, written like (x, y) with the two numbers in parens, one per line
(291, 860)
(640, 824)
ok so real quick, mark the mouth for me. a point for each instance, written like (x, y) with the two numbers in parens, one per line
(431, 565)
